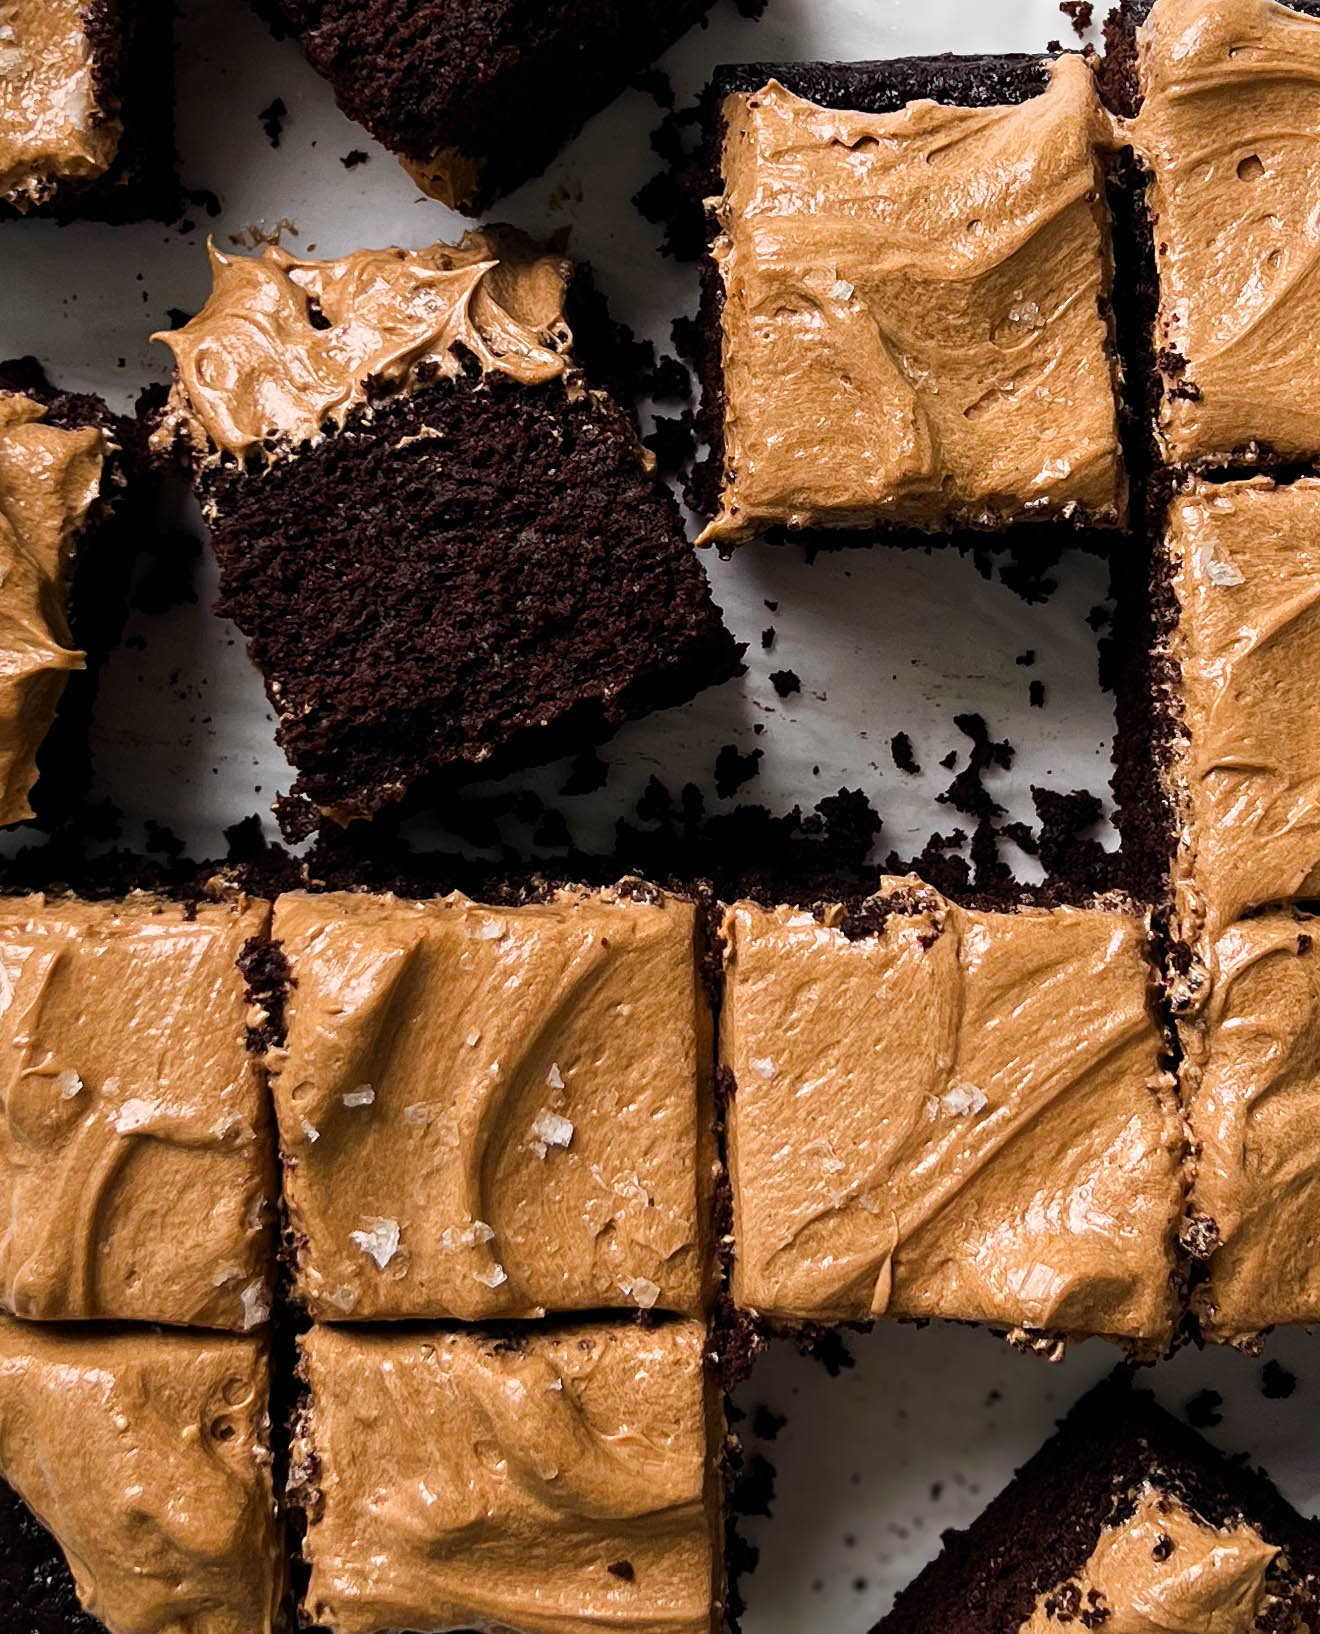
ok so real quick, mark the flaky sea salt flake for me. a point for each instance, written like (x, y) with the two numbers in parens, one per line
(363, 1095)
(961, 1098)
(379, 1242)
(69, 1084)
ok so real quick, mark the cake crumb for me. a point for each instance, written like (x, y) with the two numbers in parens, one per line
(1079, 13)
(272, 120)
(1276, 1382)
(1203, 1409)
(785, 682)
(353, 158)
(900, 747)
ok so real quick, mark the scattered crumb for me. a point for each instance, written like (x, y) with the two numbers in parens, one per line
(1026, 659)
(177, 316)
(1036, 693)
(732, 769)
(1079, 12)
(1203, 1409)
(766, 1424)
(785, 682)
(655, 83)
(772, 606)
(272, 120)
(767, 638)
(1276, 1382)
(587, 774)
(950, 760)
(354, 158)
(900, 747)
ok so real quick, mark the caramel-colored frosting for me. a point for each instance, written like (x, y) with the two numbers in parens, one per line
(1164, 1570)
(962, 1115)
(1251, 1080)
(136, 1149)
(1229, 131)
(1246, 779)
(912, 312)
(285, 347)
(147, 1456)
(494, 1112)
(49, 480)
(544, 1484)
(52, 127)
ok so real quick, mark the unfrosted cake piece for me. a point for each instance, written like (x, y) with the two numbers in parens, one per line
(1243, 560)
(135, 1483)
(941, 1112)
(478, 97)
(137, 1153)
(1225, 128)
(546, 1483)
(1128, 1522)
(908, 316)
(494, 1112)
(1251, 1081)
(445, 548)
(63, 570)
(86, 109)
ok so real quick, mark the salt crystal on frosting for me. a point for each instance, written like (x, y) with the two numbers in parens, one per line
(554, 1077)
(256, 1307)
(69, 1084)
(550, 1129)
(961, 1098)
(492, 1278)
(486, 930)
(641, 1290)
(136, 1113)
(764, 1067)
(1224, 574)
(380, 1242)
(363, 1095)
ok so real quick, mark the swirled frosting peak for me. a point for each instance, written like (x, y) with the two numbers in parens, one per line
(1164, 1570)
(52, 126)
(913, 325)
(147, 1456)
(492, 1112)
(548, 1483)
(285, 347)
(959, 1115)
(1229, 130)
(49, 480)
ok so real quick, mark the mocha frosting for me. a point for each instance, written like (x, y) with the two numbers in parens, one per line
(1245, 560)
(1163, 1570)
(962, 1115)
(493, 1112)
(52, 127)
(1251, 1081)
(544, 1484)
(285, 348)
(912, 323)
(147, 1456)
(1228, 129)
(136, 1150)
(49, 481)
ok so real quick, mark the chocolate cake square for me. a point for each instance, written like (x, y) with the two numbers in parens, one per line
(135, 1482)
(66, 547)
(495, 1112)
(1251, 1083)
(87, 110)
(444, 545)
(1226, 130)
(944, 1112)
(911, 285)
(1125, 1519)
(476, 98)
(457, 1480)
(1244, 564)
(137, 1154)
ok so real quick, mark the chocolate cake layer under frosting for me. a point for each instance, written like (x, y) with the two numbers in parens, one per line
(52, 126)
(494, 1112)
(147, 1456)
(49, 480)
(913, 324)
(1245, 561)
(136, 1150)
(285, 348)
(1161, 1569)
(957, 1114)
(1251, 1080)
(546, 1484)
(1229, 130)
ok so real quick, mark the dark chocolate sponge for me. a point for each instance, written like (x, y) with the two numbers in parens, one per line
(505, 82)
(475, 574)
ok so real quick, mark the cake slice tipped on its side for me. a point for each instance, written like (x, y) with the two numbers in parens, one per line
(446, 548)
